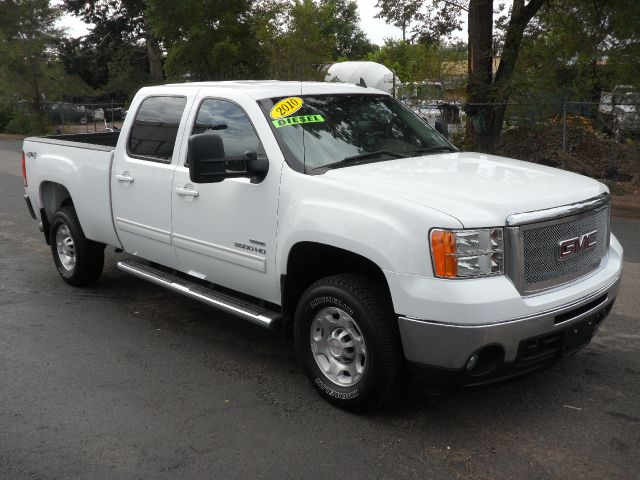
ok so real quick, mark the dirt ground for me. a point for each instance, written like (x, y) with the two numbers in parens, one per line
(588, 152)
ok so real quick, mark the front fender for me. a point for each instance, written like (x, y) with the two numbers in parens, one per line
(391, 232)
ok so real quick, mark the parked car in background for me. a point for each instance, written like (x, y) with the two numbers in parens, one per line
(114, 114)
(86, 115)
(91, 114)
(98, 114)
(619, 112)
(63, 112)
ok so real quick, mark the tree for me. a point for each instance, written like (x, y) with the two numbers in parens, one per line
(300, 36)
(576, 49)
(341, 23)
(493, 95)
(28, 68)
(487, 93)
(297, 40)
(433, 20)
(417, 62)
(208, 39)
(399, 13)
(118, 23)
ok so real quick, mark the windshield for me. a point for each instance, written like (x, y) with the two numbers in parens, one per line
(318, 132)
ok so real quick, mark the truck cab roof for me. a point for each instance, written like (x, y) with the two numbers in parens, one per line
(259, 89)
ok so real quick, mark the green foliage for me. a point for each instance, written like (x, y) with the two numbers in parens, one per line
(207, 39)
(301, 36)
(576, 49)
(6, 114)
(433, 21)
(340, 22)
(415, 62)
(128, 71)
(26, 124)
(295, 41)
(27, 33)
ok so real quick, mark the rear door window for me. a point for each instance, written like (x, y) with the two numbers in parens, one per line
(154, 130)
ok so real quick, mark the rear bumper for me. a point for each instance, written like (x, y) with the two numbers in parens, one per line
(442, 351)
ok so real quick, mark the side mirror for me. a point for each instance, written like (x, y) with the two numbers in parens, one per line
(206, 159)
(208, 162)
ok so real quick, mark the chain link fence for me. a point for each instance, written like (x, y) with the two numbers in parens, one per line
(559, 120)
(599, 139)
(70, 117)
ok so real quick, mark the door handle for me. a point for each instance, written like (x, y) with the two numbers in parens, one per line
(187, 192)
(124, 177)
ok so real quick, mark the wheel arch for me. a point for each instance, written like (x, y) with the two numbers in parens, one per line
(53, 196)
(309, 261)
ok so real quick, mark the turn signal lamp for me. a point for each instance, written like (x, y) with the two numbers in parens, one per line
(467, 253)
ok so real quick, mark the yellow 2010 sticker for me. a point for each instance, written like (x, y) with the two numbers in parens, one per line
(286, 107)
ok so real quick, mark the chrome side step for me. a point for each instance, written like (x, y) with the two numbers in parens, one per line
(241, 308)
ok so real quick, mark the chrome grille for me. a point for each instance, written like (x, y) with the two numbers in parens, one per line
(541, 262)
(533, 262)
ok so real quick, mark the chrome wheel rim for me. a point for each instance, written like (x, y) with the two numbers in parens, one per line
(65, 248)
(338, 346)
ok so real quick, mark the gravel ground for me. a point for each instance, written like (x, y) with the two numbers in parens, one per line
(125, 380)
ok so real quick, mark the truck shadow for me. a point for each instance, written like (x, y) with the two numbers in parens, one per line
(258, 353)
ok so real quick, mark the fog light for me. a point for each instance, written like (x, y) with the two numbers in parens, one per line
(471, 363)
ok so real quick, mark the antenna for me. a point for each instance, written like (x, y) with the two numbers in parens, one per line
(362, 83)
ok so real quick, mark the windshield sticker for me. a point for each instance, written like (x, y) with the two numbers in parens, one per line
(286, 107)
(282, 122)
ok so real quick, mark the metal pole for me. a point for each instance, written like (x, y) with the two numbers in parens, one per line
(394, 83)
(564, 126)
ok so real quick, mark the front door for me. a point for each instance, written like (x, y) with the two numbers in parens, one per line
(142, 178)
(226, 232)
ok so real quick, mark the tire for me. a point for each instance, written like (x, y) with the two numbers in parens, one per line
(79, 260)
(347, 340)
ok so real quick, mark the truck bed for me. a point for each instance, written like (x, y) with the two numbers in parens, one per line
(81, 165)
(105, 141)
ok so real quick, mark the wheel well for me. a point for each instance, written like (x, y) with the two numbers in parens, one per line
(310, 261)
(53, 196)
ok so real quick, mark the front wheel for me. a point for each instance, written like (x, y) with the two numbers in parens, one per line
(79, 260)
(347, 341)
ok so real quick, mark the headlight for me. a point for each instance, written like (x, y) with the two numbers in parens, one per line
(467, 253)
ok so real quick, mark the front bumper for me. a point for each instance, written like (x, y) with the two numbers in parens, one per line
(443, 352)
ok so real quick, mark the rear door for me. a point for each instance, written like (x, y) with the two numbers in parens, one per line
(142, 176)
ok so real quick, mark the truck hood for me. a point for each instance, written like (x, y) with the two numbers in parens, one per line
(479, 190)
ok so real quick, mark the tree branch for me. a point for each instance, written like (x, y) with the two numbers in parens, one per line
(530, 10)
(456, 4)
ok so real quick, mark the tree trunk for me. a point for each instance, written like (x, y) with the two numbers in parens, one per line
(521, 15)
(480, 24)
(155, 55)
(487, 120)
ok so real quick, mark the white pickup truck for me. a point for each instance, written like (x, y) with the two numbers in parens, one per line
(334, 213)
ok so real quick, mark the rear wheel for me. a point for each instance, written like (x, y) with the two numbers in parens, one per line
(347, 340)
(79, 260)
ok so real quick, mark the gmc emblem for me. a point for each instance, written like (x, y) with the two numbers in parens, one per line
(573, 246)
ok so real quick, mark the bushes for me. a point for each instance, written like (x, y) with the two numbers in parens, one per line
(6, 114)
(26, 124)
(19, 121)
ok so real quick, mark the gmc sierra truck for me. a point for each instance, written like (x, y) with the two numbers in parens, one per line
(334, 213)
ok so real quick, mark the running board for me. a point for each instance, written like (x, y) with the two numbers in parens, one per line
(235, 306)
